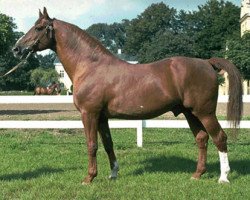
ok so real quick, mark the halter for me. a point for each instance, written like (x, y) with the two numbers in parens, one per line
(49, 28)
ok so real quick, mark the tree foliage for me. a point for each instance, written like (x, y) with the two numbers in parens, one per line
(43, 77)
(161, 29)
(238, 52)
(142, 30)
(7, 34)
(46, 61)
(214, 23)
(112, 36)
(165, 45)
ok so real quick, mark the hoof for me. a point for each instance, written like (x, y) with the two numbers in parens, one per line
(84, 183)
(223, 181)
(112, 177)
(194, 178)
(87, 180)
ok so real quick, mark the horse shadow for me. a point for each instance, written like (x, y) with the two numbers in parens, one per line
(30, 174)
(174, 164)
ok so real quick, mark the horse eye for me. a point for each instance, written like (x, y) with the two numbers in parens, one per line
(37, 29)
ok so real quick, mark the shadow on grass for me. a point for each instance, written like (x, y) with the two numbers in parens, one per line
(164, 142)
(30, 174)
(174, 164)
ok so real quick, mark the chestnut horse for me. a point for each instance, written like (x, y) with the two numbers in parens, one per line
(107, 87)
(50, 90)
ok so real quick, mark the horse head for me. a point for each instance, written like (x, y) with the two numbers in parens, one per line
(58, 89)
(55, 87)
(38, 38)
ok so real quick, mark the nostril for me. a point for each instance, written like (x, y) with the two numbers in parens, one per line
(16, 49)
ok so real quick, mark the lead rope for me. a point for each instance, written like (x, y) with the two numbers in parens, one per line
(23, 62)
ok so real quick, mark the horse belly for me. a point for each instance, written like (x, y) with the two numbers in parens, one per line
(140, 106)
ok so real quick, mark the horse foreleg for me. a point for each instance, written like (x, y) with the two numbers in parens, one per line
(108, 145)
(90, 128)
(201, 138)
(219, 137)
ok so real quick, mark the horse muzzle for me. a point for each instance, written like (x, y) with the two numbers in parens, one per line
(21, 52)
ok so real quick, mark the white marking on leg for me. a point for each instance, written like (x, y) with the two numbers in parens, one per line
(224, 167)
(114, 171)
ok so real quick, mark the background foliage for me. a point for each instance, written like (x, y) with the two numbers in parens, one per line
(43, 77)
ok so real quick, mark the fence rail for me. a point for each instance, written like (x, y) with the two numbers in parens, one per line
(69, 124)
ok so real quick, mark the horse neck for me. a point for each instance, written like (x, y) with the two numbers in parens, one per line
(76, 49)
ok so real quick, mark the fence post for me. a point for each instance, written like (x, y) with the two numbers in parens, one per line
(139, 133)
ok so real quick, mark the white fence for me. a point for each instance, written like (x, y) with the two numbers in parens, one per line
(137, 124)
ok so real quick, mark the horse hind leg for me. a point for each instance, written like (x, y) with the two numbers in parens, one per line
(201, 137)
(106, 138)
(219, 137)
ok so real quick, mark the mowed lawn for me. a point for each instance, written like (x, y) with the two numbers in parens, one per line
(50, 164)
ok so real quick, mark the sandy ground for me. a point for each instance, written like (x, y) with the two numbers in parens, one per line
(69, 112)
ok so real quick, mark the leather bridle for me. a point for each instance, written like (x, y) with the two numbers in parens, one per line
(48, 30)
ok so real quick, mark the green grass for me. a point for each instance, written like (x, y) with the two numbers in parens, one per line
(3, 93)
(42, 164)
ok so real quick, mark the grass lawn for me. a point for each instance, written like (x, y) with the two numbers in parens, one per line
(50, 164)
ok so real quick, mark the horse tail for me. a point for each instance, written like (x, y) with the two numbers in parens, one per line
(235, 104)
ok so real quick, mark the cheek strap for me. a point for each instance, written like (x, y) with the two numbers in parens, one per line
(50, 29)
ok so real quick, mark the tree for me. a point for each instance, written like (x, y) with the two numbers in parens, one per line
(143, 29)
(43, 77)
(111, 36)
(166, 44)
(212, 25)
(7, 34)
(238, 52)
(7, 39)
(46, 61)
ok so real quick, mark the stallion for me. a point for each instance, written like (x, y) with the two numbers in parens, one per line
(107, 87)
(50, 90)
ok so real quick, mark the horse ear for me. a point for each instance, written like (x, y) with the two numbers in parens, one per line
(45, 13)
(40, 13)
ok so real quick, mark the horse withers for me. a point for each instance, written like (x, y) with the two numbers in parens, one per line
(107, 87)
